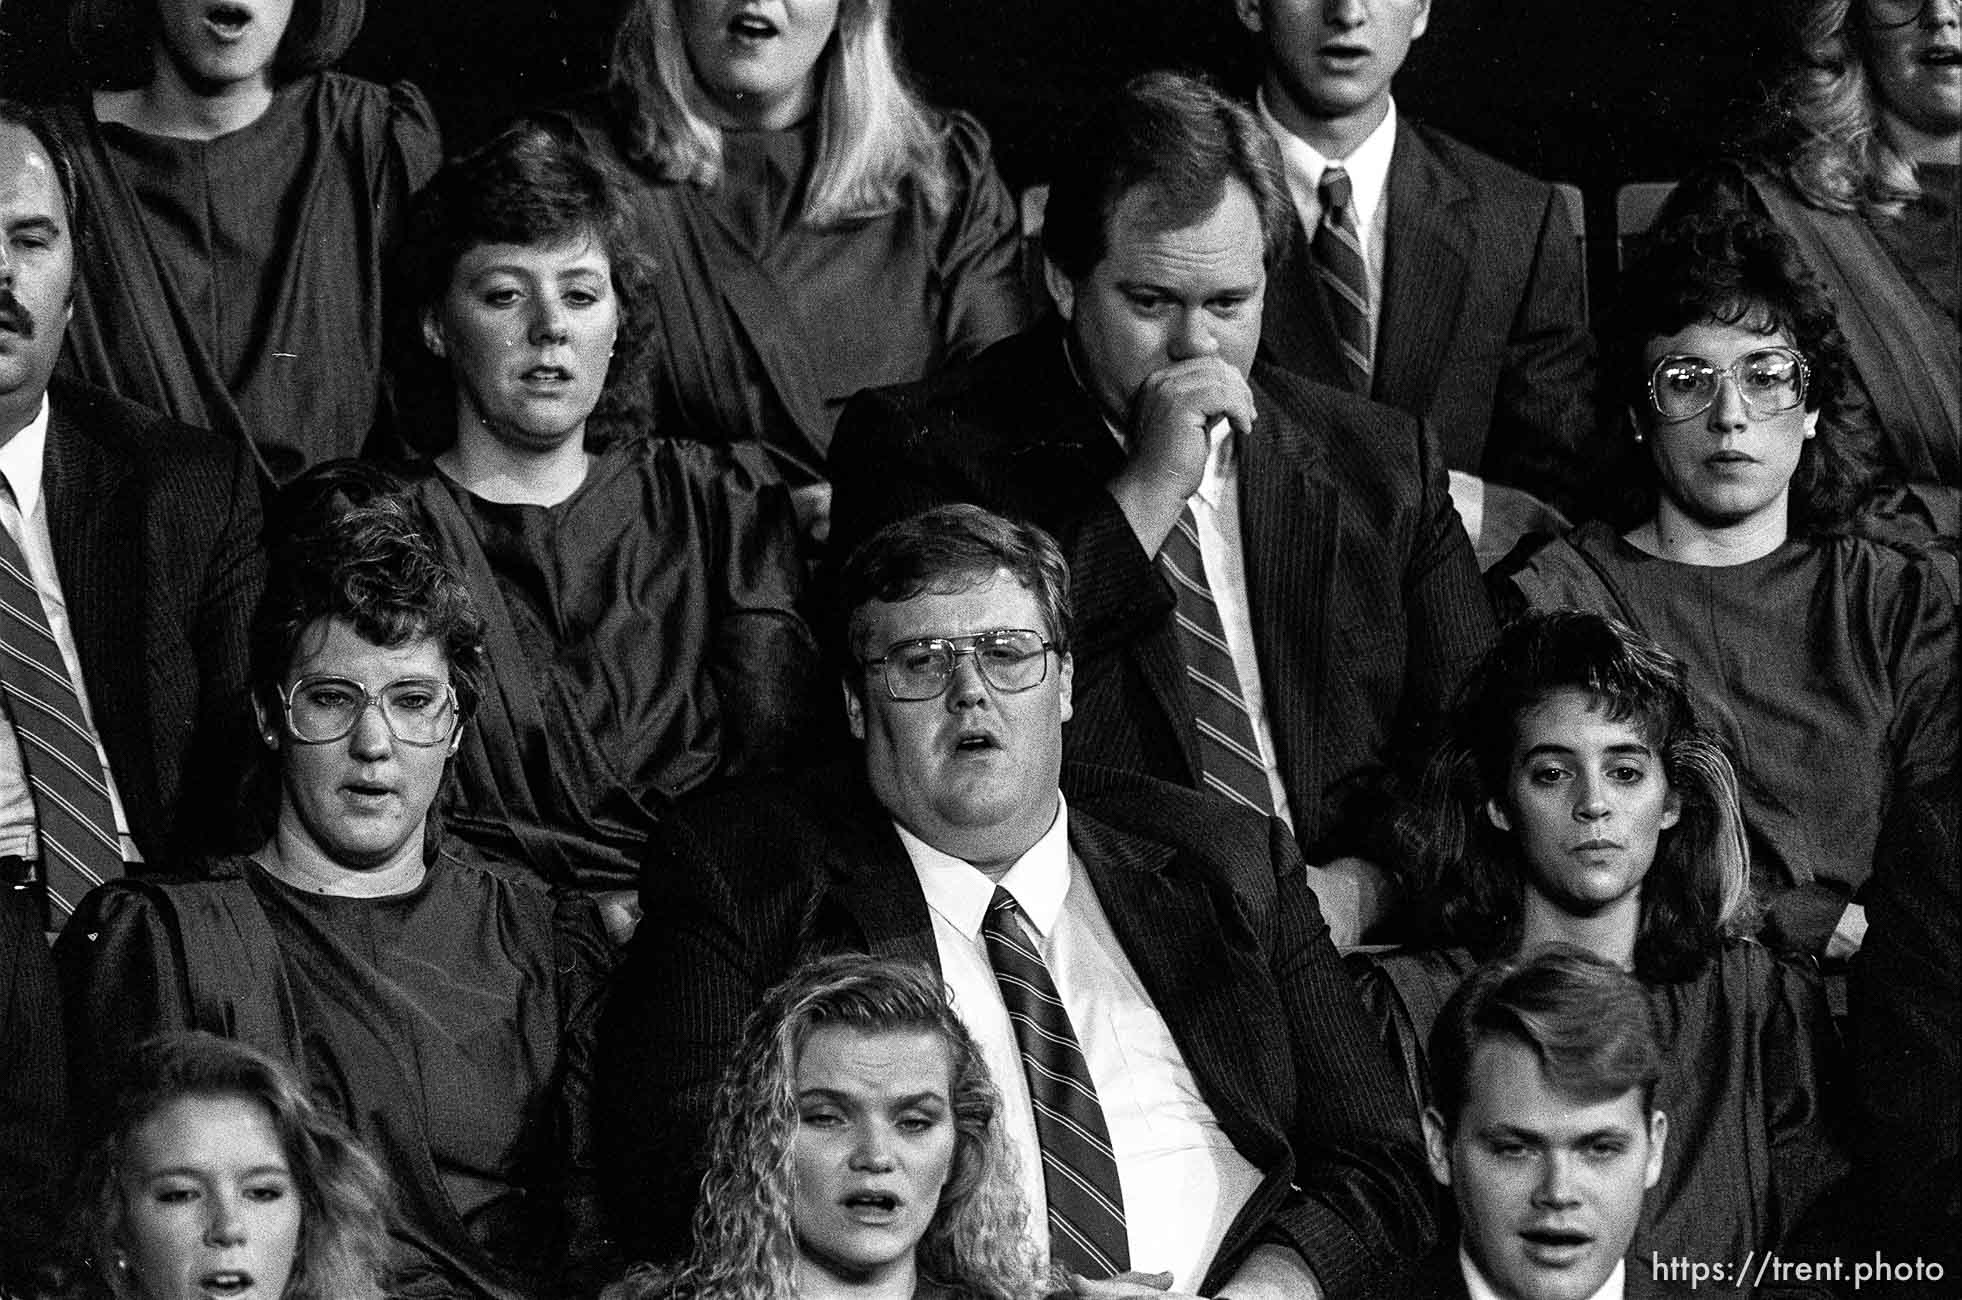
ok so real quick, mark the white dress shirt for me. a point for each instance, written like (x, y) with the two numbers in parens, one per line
(1369, 178)
(1480, 1289)
(24, 514)
(1183, 1179)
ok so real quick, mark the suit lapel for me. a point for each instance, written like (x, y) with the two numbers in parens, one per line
(1290, 534)
(1428, 248)
(871, 881)
(1297, 329)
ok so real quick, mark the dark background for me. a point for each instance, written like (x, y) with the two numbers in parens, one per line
(1595, 92)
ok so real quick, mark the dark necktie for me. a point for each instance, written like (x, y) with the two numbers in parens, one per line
(1338, 256)
(1079, 1170)
(77, 829)
(1228, 750)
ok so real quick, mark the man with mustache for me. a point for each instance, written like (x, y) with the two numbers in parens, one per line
(1187, 1081)
(129, 565)
(1421, 272)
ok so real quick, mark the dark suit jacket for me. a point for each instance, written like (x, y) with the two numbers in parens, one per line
(34, 1153)
(1440, 1278)
(156, 540)
(1366, 603)
(1209, 903)
(1483, 327)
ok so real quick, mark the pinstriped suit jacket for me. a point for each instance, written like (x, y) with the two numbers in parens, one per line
(156, 529)
(1366, 602)
(1483, 327)
(1209, 903)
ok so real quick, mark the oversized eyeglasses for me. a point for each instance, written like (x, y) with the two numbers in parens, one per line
(1769, 380)
(1010, 660)
(1895, 13)
(416, 710)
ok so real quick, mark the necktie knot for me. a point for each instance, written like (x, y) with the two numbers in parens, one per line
(1335, 192)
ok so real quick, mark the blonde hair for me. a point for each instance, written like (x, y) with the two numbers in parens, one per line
(1842, 160)
(875, 136)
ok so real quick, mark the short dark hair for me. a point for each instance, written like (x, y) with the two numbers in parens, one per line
(1735, 267)
(536, 182)
(37, 124)
(948, 548)
(115, 39)
(1182, 138)
(1472, 881)
(1587, 1020)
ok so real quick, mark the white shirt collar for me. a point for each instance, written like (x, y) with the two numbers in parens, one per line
(21, 458)
(961, 892)
(1368, 164)
(1480, 1289)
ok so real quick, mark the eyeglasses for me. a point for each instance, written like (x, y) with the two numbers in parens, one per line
(1010, 660)
(1769, 380)
(416, 710)
(1895, 13)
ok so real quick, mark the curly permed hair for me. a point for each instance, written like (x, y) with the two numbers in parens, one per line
(745, 1236)
(537, 183)
(1733, 267)
(344, 1244)
(1470, 878)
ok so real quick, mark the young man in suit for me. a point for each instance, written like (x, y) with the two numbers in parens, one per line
(1142, 960)
(1271, 578)
(129, 567)
(1420, 272)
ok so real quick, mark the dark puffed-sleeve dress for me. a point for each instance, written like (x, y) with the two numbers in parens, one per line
(644, 637)
(451, 1027)
(236, 283)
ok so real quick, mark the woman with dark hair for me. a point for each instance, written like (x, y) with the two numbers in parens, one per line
(640, 594)
(241, 201)
(820, 228)
(443, 1007)
(1576, 800)
(1858, 163)
(855, 1150)
(1826, 661)
(216, 1174)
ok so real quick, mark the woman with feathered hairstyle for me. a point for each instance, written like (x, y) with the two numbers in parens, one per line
(820, 229)
(1577, 800)
(343, 1241)
(755, 1238)
(1857, 160)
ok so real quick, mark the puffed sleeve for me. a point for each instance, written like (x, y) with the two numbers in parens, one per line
(1804, 1098)
(984, 294)
(1924, 671)
(584, 962)
(415, 140)
(120, 964)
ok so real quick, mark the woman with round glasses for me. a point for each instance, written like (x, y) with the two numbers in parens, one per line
(1826, 660)
(442, 1006)
(1858, 163)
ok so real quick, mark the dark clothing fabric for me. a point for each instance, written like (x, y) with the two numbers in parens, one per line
(450, 1027)
(1439, 1277)
(1365, 597)
(655, 644)
(1207, 900)
(1482, 332)
(236, 283)
(1750, 1083)
(1899, 321)
(1827, 667)
(766, 325)
(156, 539)
(34, 1149)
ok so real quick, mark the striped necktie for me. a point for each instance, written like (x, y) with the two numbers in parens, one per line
(1228, 750)
(79, 847)
(1079, 1169)
(1338, 255)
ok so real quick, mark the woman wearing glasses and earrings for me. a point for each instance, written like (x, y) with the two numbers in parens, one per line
(1826, 660)
(443, 1008)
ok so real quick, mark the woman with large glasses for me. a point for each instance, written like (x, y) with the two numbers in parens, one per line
(1858, 162)
(1826, 660)
(442, 1006)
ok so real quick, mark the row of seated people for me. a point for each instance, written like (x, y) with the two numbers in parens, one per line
(1191, 1086)
(821, 230)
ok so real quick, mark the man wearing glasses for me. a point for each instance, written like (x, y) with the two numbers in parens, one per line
(1185, 1071)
